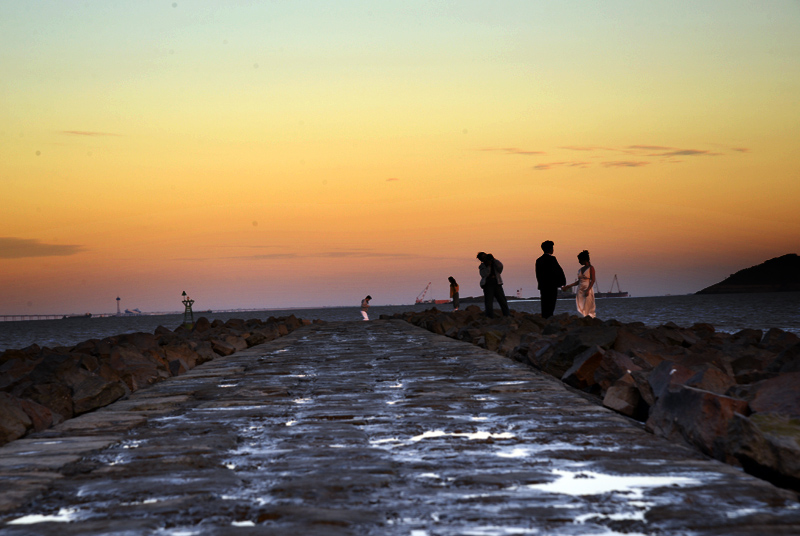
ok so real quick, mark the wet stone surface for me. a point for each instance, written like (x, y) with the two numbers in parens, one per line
(371, 428)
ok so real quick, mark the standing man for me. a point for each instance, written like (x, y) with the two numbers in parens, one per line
(550, 277)
(365, 307)
(492, 284)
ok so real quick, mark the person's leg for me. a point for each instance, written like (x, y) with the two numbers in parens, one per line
(455, 301)
(365, 315)
(549, 297)
(488, 300)
(501, 299)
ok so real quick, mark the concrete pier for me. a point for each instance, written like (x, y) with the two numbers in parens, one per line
(371, 428)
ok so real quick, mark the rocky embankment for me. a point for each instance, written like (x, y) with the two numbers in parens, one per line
(42, 387)
(735, 397)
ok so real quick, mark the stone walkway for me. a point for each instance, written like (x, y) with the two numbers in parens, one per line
(370, 429)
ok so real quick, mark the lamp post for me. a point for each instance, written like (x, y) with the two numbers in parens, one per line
(188, 316)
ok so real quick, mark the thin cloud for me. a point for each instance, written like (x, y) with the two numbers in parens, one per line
(21, 248)
(392, 179)
(741, 149)
(551, 165)
(688, 152)
(268, 256)
(513, 150)
(337, 254)
(650, 148)
(87, 133)
(586, 148)
(359, 253)
(623, 163)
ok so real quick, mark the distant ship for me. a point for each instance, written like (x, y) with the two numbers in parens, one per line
(611, 294)
(133, 312)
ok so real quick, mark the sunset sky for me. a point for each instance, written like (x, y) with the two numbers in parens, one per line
(297, 153)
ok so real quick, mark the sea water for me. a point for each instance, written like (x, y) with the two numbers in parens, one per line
(726, 312)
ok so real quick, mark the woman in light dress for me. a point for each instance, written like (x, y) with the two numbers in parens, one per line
(584, 297)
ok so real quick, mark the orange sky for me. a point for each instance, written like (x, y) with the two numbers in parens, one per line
(255, 155)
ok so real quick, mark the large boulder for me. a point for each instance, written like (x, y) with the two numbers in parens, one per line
(15, 369)
(202, 325)
(776, 340)
(54, 368)
(143, 341)
(511, 340)
(699, 418)
(138, 368)
(204, 352)
(575, 343)
(292, 322)
(786, 361)
(768, 446)
(539, 352)
(777, 395)
(710, 378)
(627, 341)
(14, 422)
(748, 337)
(641, 380)
(647, 359)
(56, 397)
(94, 391)
(222, 347)
(668, 374)
(493, 337)
(672, 335)
(624, 397)
(582, 372)
(613, 366)
(41, 417)
(182, 352)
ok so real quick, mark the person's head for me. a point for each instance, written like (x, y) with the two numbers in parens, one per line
(583, 257)
(368, 297)
(482, 256)
(452, 280)
(547, 246)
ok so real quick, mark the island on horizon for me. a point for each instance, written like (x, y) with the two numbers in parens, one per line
(775, 275)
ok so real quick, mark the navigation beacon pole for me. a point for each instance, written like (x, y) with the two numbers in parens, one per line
(188, 316)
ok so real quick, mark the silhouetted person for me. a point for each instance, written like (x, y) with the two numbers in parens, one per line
(492, 284)
(365, 307)
(453, 292)
(584, 296)
(550, 277)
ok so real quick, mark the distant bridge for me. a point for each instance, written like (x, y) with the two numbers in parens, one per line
(9, 318)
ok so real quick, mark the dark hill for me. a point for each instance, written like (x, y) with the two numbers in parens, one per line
(781, 274)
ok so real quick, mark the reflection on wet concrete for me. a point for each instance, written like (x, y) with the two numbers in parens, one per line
(383, 428)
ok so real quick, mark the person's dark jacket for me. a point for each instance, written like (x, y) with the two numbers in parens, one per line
(549, 273)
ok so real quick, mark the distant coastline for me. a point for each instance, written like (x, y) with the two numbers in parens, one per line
(775, 275)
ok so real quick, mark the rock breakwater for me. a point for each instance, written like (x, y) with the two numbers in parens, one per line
(42, 387)
(734, 397)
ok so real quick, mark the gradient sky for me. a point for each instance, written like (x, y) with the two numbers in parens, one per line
(297, 153)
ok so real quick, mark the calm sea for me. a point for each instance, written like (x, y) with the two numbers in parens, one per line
(728, 313)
